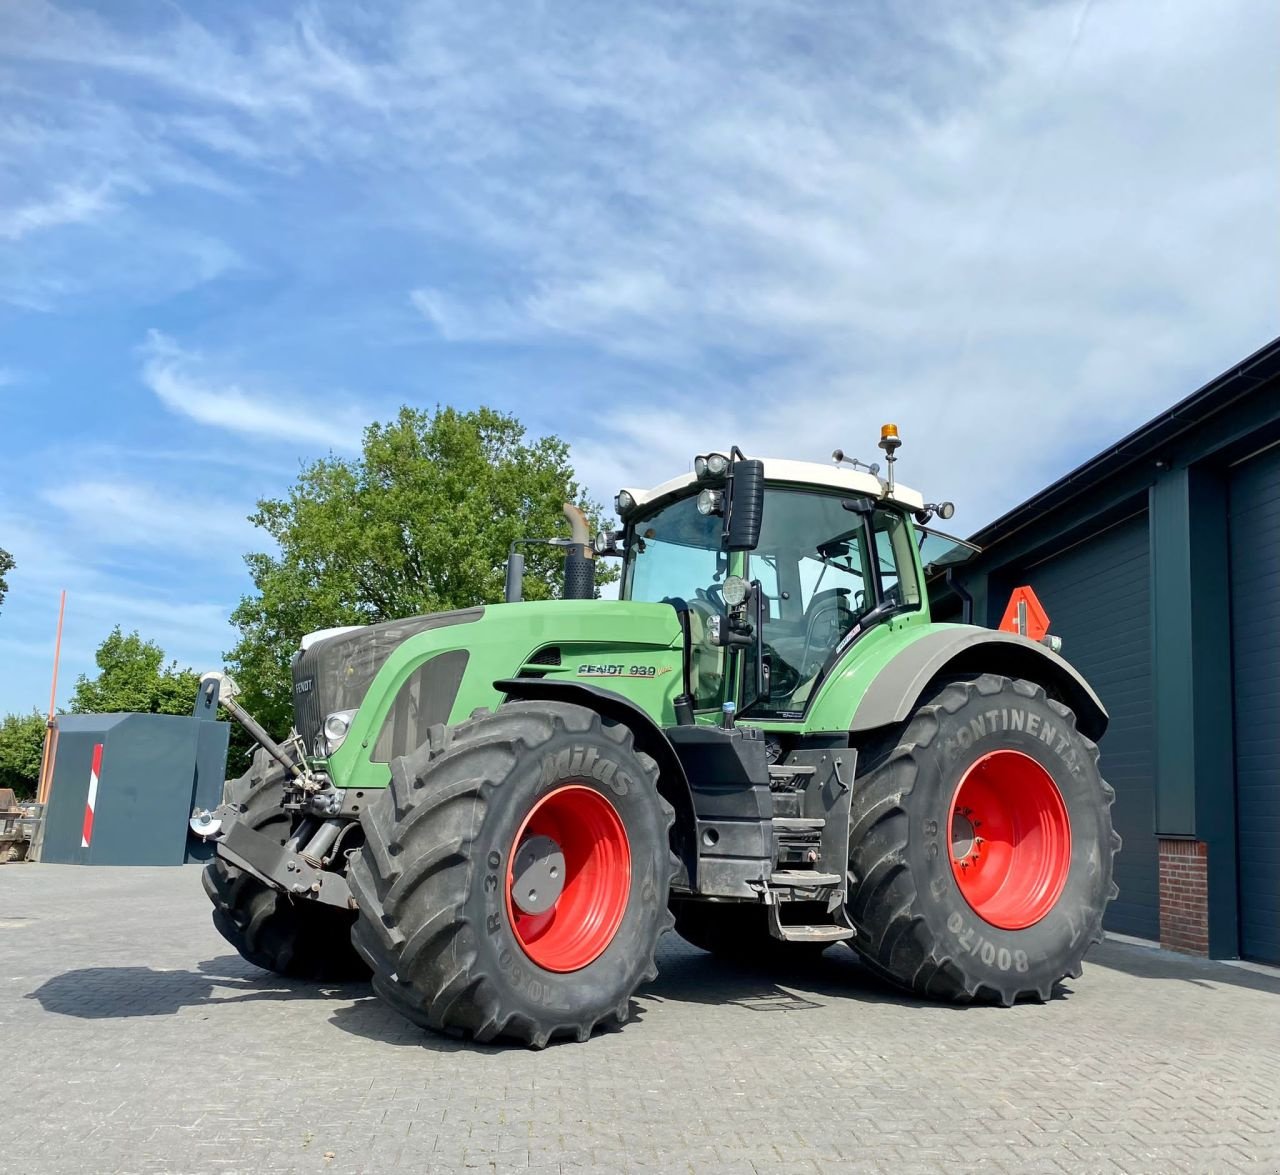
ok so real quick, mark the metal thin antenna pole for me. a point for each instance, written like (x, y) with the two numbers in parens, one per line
(46, 758)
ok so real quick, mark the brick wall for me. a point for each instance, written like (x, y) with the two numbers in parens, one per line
(1184, 896)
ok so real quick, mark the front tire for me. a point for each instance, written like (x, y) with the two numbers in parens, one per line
(297, 939)
(537, 795)
(982, 845)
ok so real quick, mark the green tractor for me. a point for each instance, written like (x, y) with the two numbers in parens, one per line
(765, 742)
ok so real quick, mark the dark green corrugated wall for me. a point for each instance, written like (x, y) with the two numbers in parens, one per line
(1098, 596)
(1255, 648)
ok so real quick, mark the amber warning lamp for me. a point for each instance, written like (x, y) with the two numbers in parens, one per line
(889, 442)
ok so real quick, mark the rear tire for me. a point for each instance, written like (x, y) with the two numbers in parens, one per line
(434, 880)
(300, 940)
(916, 846)
(739, 933)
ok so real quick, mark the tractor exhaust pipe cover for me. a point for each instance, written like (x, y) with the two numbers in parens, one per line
(513, 593)
(580, 555)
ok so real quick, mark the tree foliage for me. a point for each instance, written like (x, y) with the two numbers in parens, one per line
(21, 748)
(420, 522)
(132, 677)
(6, 566)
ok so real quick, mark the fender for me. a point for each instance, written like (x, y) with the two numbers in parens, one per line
(673, 783)
(965, 649)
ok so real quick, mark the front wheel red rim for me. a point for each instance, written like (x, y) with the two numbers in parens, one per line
(574, 842)
(1010, 840)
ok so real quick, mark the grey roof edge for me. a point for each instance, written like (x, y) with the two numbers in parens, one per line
(1237, 381)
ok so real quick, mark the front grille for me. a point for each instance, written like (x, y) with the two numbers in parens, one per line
(308, 709)
(335, 673)
(548, 655)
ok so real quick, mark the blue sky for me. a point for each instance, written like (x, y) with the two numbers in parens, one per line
(231, 235)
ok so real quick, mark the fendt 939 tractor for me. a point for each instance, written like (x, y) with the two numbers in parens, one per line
(765, 743)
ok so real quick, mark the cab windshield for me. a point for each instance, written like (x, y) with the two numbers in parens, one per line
(675, 554)
(820, 570)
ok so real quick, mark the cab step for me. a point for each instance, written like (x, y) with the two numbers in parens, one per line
(799, 823)
(803, 879)
(838, 930)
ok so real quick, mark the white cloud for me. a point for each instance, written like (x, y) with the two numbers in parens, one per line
(175, 624)
(176, 377)
(65, 204)
(290, 68)
(42, 562)
(204, 458)
(1058, 227)
(132, 516)
(1019, 230)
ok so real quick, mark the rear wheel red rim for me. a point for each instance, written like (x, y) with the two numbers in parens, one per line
(588, 833)
(1010, 840)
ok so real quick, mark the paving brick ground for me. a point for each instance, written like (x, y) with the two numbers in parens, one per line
(135, 1040)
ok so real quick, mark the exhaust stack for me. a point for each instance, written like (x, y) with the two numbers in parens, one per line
(580, 555)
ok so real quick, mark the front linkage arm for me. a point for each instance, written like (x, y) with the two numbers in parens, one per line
(297, 866)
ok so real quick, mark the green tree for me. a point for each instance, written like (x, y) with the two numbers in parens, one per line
(6, 566)
(132, 677)
(420, 522)
(21, 749)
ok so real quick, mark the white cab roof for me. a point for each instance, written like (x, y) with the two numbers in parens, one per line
(814, 474)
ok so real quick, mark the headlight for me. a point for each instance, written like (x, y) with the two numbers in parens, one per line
(710, 502)
(335, 729)
(717, 464)
(624, 503)
(699, 467)
(735, 590)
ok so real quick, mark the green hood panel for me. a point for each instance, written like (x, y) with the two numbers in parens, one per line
(634, 649)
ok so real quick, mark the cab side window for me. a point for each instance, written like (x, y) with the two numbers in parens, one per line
(894, 559)
(819, 575)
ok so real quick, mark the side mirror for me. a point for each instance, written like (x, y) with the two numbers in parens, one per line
(746, 509)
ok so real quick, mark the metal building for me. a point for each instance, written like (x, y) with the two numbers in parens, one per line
(1158, 562)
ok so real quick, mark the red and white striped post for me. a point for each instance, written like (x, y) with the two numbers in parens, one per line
(86, 833)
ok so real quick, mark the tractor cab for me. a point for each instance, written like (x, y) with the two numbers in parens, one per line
(832, 552)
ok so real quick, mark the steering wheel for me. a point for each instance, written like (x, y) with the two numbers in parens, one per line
(714, 595)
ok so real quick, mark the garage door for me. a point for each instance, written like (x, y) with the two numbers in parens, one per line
(1255, 641)
(1098, 596)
